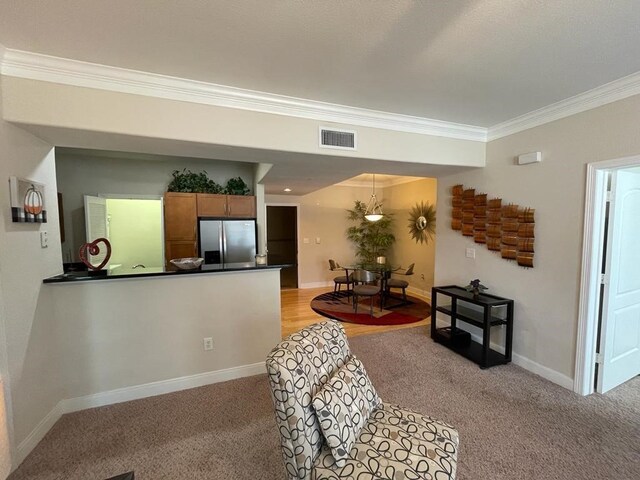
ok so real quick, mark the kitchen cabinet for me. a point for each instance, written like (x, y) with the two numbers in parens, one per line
(180, 225)
(231, 206)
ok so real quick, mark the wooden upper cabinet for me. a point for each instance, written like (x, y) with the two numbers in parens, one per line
(211, 205)
(241, 206)
(180, 216)
(232, 206)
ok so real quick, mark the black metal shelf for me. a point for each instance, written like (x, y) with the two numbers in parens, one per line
(459, 310)
(471, 316)
(473, 351)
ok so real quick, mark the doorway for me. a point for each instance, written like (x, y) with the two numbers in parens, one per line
(608, 346)
(282, 241)
(133, 226)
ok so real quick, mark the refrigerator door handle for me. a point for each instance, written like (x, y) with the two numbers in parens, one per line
(223, 243)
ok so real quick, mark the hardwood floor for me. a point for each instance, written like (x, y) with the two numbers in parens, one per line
(297, 314)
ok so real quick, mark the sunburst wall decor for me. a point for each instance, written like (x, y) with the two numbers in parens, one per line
(422, 222)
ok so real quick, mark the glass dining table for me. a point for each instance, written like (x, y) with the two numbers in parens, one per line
(384, 271)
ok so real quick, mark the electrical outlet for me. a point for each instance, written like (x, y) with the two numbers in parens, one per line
(422, 276)
(44, 239)
(470, 253)
(208, 343)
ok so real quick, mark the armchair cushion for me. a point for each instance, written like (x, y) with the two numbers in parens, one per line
(343, 407)
(396, 443)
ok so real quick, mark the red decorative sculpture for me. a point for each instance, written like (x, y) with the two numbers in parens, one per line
(92, 248)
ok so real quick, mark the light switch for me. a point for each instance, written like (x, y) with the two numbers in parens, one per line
(317, 240)
(471, 253)
(44, 239)
(305, 240)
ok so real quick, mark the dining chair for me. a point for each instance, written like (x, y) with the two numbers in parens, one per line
(364, 286)
(341, 280)
(397, 283)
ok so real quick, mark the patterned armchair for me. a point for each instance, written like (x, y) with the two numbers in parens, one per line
(394, 443)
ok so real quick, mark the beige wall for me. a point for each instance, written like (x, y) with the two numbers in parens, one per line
(31, 355)
(5, 405)
(122, 333)
(323, 214)
(546, 297)
(90, 110)
(399, 199)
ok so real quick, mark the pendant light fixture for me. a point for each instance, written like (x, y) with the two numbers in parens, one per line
(373, 213)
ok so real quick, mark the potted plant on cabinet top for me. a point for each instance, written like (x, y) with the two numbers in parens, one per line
(188, 182)
(236, 186)
(371, 239)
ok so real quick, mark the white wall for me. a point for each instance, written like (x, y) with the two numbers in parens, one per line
(31, 355)
(80, 175)
(546, 297)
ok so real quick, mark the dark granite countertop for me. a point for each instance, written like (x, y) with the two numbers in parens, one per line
(84, 276)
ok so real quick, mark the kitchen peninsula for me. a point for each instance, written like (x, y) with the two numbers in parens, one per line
(131, 336)
(115, 274)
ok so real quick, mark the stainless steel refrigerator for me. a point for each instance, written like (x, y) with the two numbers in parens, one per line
(227, 243)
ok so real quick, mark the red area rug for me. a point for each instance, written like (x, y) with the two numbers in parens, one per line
(339, 306)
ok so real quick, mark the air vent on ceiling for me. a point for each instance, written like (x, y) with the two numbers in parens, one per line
(342, 139)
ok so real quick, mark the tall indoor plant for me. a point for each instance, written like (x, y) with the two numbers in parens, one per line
(371, 239)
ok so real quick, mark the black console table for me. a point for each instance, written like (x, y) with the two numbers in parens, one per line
(492, 311)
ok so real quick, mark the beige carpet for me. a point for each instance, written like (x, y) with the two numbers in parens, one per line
(513, 424)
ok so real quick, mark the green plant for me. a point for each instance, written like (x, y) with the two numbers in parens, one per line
(189, 182)
(236, 186)
(371, 239)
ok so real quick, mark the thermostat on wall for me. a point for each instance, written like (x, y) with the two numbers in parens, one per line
(533, 157)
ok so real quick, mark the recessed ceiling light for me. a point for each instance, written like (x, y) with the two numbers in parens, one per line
(287, 189)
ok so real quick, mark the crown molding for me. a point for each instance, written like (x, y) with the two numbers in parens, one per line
(610, 92)
(34, 66)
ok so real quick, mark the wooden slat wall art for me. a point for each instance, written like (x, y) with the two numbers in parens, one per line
(508, 229)
(456, 202)
(468, 210)
(480, 218)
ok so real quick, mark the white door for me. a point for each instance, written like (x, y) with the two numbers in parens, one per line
(95, 217)
(620, 331)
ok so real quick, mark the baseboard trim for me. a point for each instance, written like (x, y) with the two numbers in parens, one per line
(533, 367)
(130, 393)
(419, 292)
(160, 387)
(545, 372)
(28, 444)
(316, 284)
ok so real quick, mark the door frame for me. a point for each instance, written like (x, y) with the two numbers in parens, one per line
(266, 233)
(590, 278)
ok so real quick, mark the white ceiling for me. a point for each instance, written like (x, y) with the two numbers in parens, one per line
(474, 62)
(477, 62)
